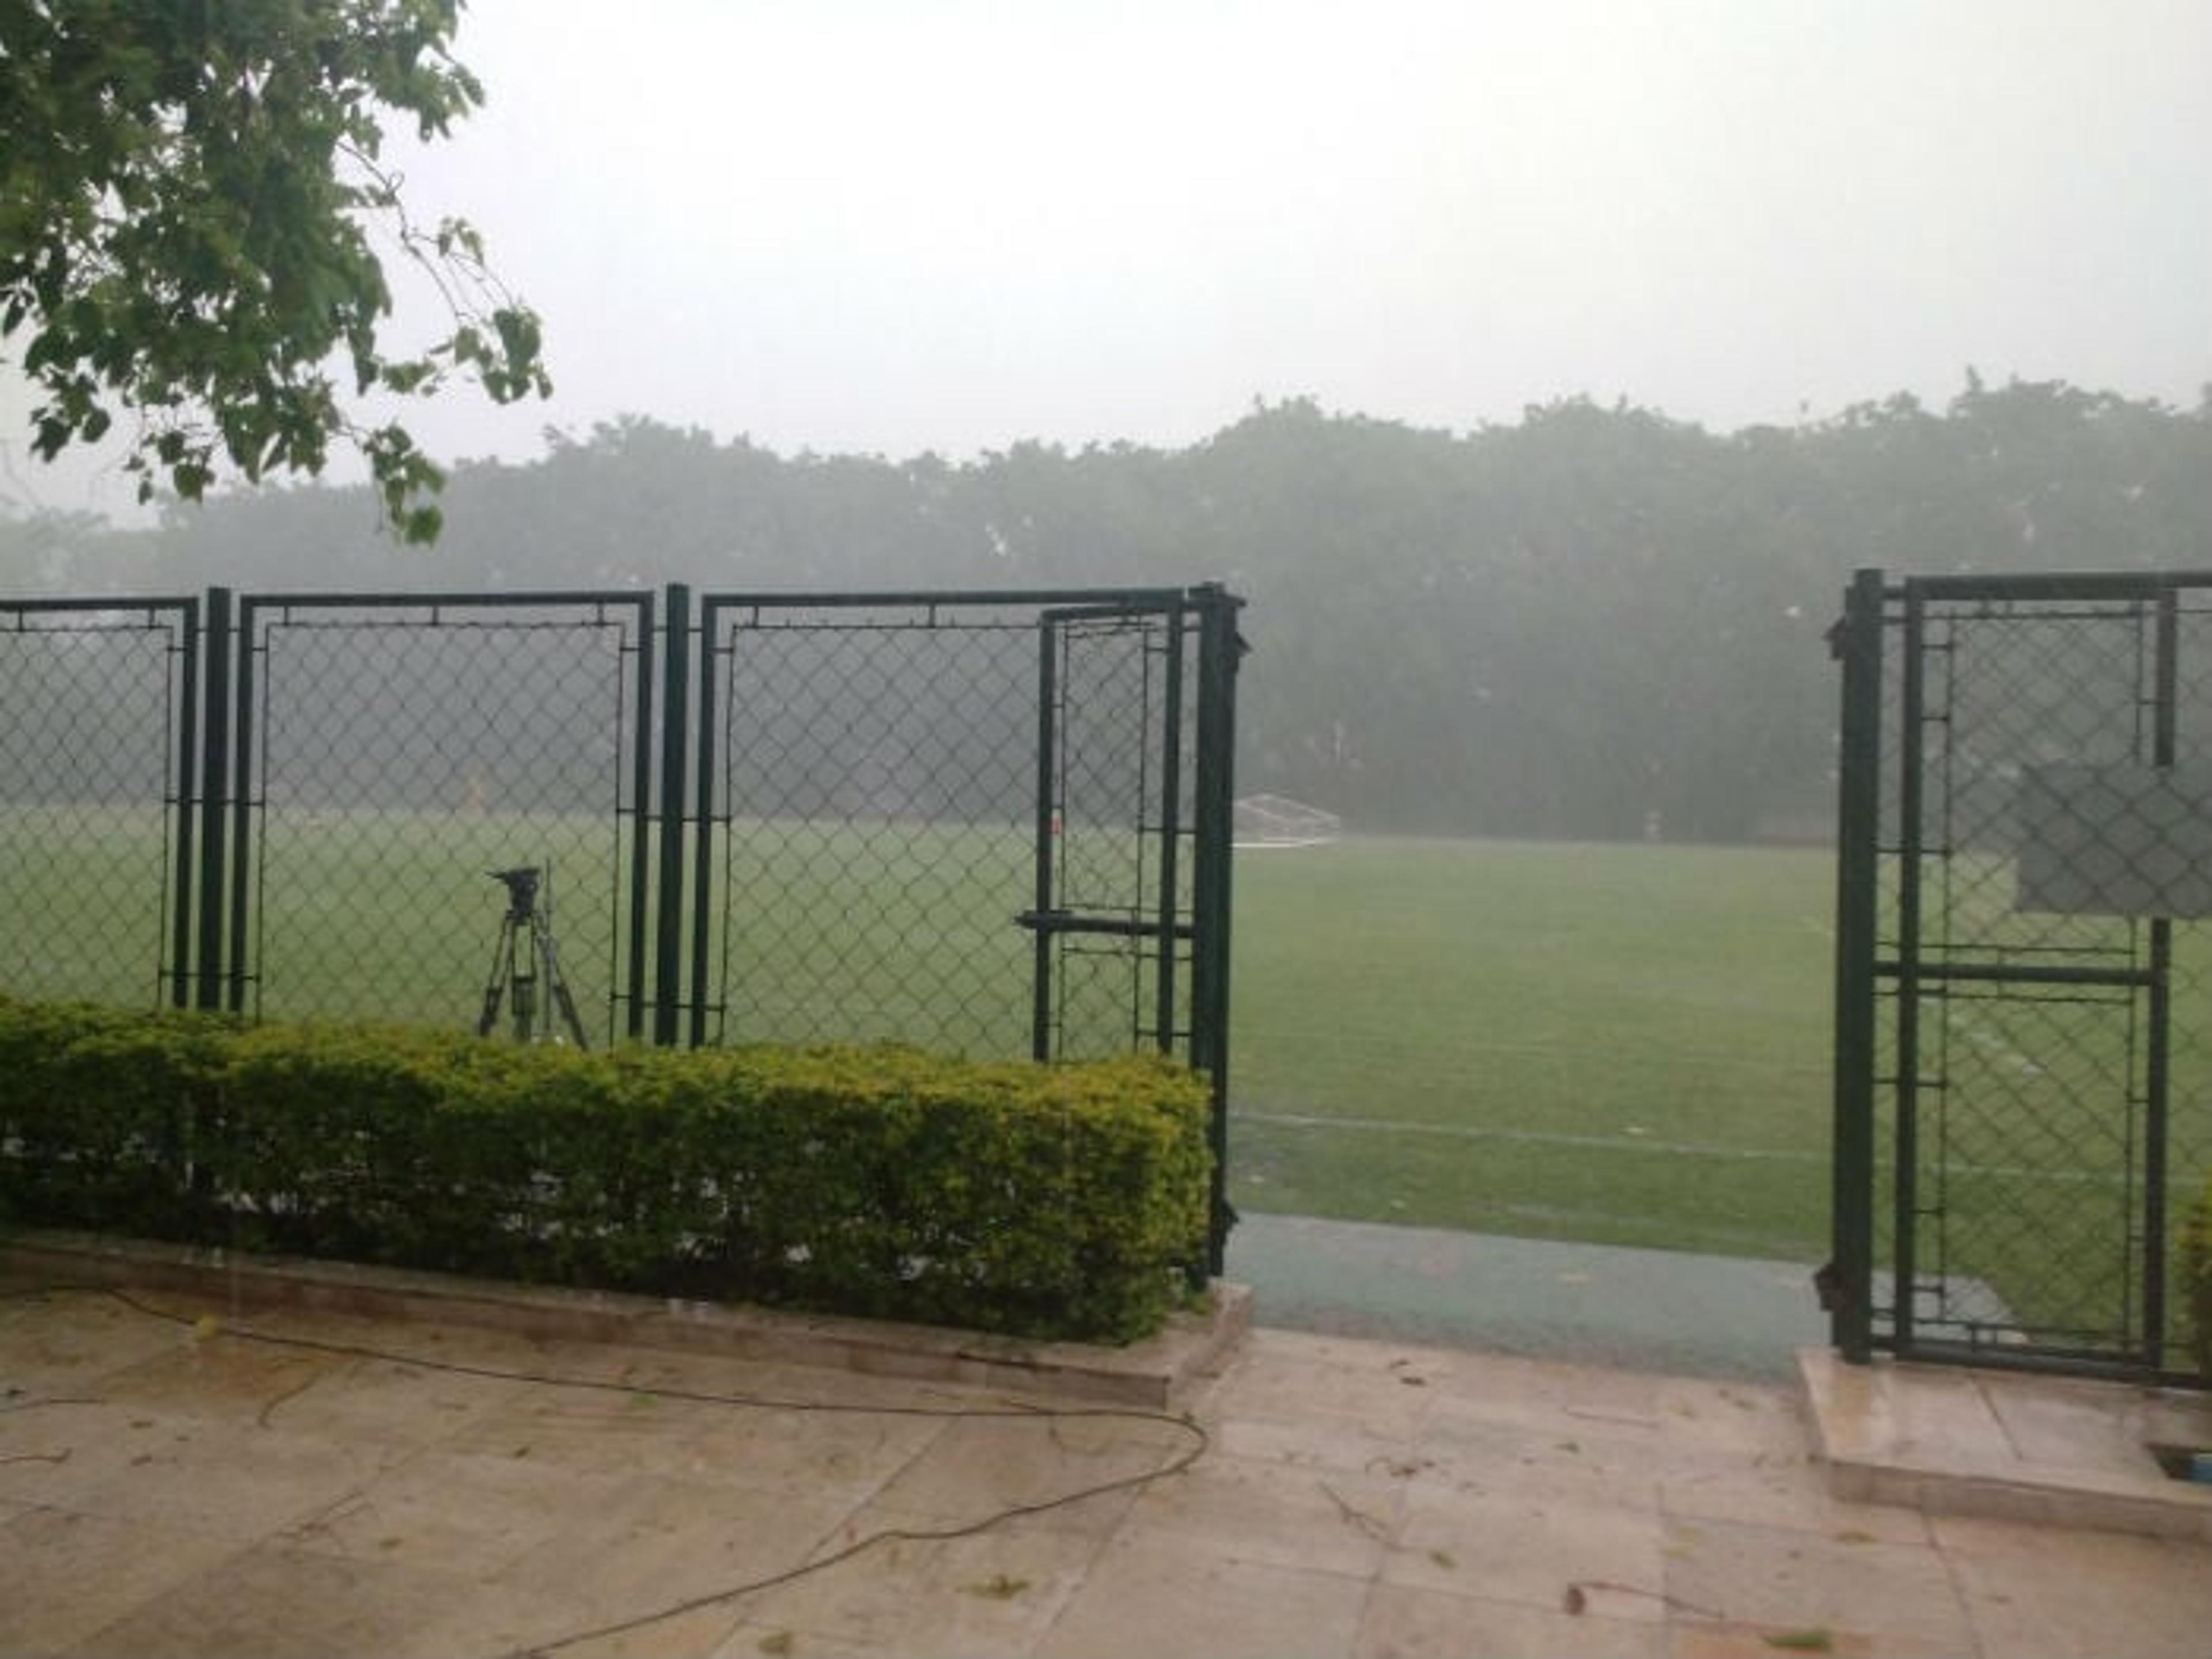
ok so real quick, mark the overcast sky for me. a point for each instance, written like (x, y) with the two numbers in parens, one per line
(893, 226)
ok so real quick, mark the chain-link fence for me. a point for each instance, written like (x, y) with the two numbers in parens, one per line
(95, 758)
(973, 824)
(997, 824)
(395, 754)
(2024, 1054)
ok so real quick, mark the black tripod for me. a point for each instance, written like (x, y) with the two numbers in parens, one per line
(524, 952)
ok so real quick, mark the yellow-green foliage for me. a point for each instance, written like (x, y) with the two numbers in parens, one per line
(2196, 1275)
(1063, 1201)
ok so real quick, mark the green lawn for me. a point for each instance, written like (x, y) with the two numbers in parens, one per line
(1623, 1044)
(1627, 1044)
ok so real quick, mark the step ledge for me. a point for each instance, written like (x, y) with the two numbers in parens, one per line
(1153, 1374)
(1853, 1413)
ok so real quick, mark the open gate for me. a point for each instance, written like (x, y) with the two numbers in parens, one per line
(2023, 1038)
(992, 823)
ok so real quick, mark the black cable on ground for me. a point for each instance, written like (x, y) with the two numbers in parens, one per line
(1199, 1443)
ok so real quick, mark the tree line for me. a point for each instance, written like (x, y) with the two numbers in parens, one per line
(1594, 623)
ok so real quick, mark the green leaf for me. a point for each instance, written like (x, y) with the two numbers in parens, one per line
(185, 303)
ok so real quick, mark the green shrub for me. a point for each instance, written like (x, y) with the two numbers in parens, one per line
(2196, 1275)
(104, 1114)
(882, 1181)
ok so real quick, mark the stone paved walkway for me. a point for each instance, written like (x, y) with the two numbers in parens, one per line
(172, 1487)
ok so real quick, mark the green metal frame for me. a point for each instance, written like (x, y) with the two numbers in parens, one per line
(1199, 649)
(179, 617)
(229, 957)
(666, 706)
(1901, 951)
(1857, 644)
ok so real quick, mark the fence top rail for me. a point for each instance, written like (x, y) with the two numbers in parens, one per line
(119, 602)
(426, 599)
(1203, 593)
(2061, 585)
(1197, 595)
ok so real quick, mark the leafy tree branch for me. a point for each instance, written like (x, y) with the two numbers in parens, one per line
(191, 194)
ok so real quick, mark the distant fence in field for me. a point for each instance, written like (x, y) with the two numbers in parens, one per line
(996, 823)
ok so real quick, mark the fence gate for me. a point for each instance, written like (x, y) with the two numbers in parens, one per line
(389, 754)
(989, 824)
(2023, 1038)
(98, 767)
(1112, 919)
(996, 824)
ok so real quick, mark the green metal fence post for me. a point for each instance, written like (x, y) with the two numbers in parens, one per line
(668, 931)
(702, 828)
(1045, 828)
(2158, 1084)
(1220, 649)
(640, 820)
(188, 786)
(214, 795)
(1170, 834)
(1914, 725)
(242, 789)
(1859, 646)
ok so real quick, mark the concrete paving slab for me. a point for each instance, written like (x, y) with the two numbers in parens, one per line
(1153, 1594)
(1950, 1440)
(2027, 1590)
(1307, 1520)
(1352, 1500)
(1145, 1373)
(1546, 1555)
(1785, 1491)
(455, 1511)
(992, 1597)
(1789, 1579)
(971, 1470)
(274, 1602)
(1403, 1623)
(63, 1574)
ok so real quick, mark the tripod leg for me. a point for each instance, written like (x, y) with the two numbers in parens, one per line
(569, 1013)
(502, 965)
(526, 993)
(555, 978)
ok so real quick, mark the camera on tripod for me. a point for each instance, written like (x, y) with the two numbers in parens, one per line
(524, 956)
(522, 890)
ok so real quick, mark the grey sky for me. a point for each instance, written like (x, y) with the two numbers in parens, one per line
(891, 226)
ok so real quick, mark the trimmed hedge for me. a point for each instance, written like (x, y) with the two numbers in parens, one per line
(2196, 1276)
(1037, 1201)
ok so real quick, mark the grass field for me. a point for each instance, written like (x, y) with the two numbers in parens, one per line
(1618, 1043)
(1623, 1044)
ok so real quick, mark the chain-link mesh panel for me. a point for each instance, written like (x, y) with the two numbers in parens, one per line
(93, 708)
(2046, 823)
(1122, 854)
(402, 755)
(874, 794)
(888, 787)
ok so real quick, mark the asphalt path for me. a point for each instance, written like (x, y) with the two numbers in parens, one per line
(1658, 1310)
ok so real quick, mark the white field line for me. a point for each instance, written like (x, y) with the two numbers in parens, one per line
(1642, 1144)
(1531, 1137)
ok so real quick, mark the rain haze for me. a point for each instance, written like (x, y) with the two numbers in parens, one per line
(894, 229)
(946, 394)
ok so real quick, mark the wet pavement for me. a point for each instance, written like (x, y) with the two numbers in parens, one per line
(1663, 1310)
(181, 1477)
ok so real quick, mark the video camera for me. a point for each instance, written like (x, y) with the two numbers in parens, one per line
(522, 890)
